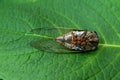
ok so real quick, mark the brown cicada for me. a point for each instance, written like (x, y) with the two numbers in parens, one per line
(64, 40)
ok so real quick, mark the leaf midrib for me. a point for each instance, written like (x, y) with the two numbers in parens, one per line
(41, 36)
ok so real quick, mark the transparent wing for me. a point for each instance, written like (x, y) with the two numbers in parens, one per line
(51, 31)
(46, 41)
(49, 45)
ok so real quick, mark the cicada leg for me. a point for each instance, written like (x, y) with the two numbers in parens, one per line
(82, 41)
(73, 42)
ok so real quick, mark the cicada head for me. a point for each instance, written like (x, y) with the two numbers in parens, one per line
(93, 38)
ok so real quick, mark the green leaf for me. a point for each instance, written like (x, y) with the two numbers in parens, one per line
(20, 61)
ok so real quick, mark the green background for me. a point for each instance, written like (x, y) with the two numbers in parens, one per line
(20, 61)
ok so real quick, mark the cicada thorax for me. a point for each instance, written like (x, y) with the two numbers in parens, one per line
(82, 40)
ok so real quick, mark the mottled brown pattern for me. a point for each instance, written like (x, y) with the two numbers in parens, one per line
(81, 40)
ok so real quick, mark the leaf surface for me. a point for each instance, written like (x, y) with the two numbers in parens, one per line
(20, 61)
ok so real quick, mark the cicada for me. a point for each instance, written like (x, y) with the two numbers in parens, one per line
(64, 40)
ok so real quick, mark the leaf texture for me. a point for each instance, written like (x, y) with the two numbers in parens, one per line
(20, 61)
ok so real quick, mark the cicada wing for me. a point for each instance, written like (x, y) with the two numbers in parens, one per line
(51, 31)
(49, 45)
(46, 41)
